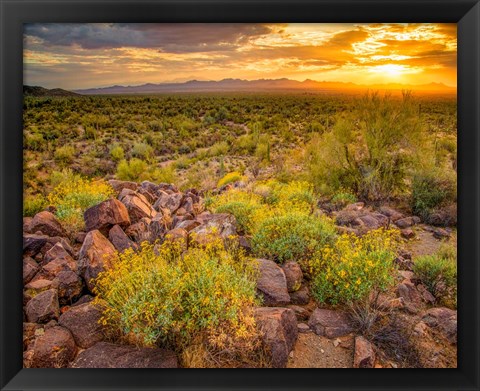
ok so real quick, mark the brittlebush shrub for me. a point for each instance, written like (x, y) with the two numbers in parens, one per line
(32, 204)
(71, 198)
(163, 296)
(231, 177)
(438, 272)
(350, 269)
(292, 237)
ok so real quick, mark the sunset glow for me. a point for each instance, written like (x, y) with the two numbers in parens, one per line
(74, 56)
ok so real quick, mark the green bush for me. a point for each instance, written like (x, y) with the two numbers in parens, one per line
(172, 298)
(142, 150)
(131, 170)
(430, 190)
(230, 178)
(343, 198)
(161, 174)
(352, 268)
(32, 204)
(65, 154)
(117, 153)
(292, 236)
(438, 272)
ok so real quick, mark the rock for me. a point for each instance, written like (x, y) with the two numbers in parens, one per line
(69, 286)
(245, 244)
(80, 237)
(223, 224)
(160, 225)
(364, 356)
(188, 225)
(407, 233)
(32, 244)
(300, 312)
(27, 221)
(420, 329)
(329, 323)
(403, 263)
(54, 349)
(120, 240)
(65, 263)
(84, 299)
(300, 297)
(357, 206)
(30, 268)
(137, 205)
(47, 224)
(426, 295)
(118, 186)
(444, 217)
(407, 222)
(37, 286)
(29, 333)
(91, 258)
(278, 327)
(303, 328)
(108, 355)
(409, 293)
(272, 284)
(168, 201)
(294, 275)
(391, 213)
(444, 320)
(440, 233)
(83, 322)
(43, 307)
(139, 232)
(57, 251)
(105, 215)
(151, 198)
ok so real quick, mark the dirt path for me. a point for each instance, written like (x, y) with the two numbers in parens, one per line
(425, 243)
(313, 351)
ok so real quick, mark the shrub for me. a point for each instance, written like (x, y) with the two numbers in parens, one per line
(163, 297)
(117, 153)
(71, 198)
(32, 204)
(292, 236)
(353, 267)
(230, 178)
(343, 198)
(164, 174)
(142, 150)
(64, 154)
(430, 190)
(131, 170)
(438, 272)
(217, 149)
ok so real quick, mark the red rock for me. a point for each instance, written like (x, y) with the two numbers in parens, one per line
(46, 223)
(120, 240)
(364, 356)
(54, 349)
(43, 307)
(69, 286)
(137, 205)
(329, 323)
(272, 284)
(30, 268)
(83, 321)
(105, 215)
(294, 276)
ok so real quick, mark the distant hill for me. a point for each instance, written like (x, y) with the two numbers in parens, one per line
(263, 85)
(40, 91)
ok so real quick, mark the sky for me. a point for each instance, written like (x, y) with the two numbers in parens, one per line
(76, 56)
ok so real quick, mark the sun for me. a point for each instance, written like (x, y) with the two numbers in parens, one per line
(391, 69)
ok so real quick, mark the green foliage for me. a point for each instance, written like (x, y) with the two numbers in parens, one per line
(292, 236)
(351, 268)
(65, 154)
(432, 189)
(231, 177)
(438, 272)
(131, 170)
(164, 174)
(32, 204)
(343, 198)
(167, 297)
(117, 153)
(142, 151)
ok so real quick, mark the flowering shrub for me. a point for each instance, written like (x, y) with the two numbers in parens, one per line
(163, 296)
(71, 198)
(353, 267)
(230, 178)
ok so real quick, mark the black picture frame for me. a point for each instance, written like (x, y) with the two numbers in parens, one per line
(16, 12)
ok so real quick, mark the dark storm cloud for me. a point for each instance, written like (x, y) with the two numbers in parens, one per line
(173, 38)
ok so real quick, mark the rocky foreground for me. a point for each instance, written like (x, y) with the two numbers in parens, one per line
(62, 329)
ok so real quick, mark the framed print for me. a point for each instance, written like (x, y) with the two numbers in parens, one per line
(233, 187)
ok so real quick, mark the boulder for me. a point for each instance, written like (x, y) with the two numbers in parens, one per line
(47, 224)
(139, 232)
(278, 327)
(407, 233)
(300, 312)
(272, 284)
(168, 201)
(300, 297)
(137, 205)
(364, 356)
(294, 275)
(32, 244)
(178, 235)
(43, 307)
(30, 268)
(407, 222)
(160, 225)
(108, 355)
(26, 224)
(83, 321)
(37, 286)
(120, 240)
(440, 233)
(329, 323)
(188, 225)
(57, 251)
(444, 320)
(54, 349)
(391, 213)
(69, 286)
(118, 186)
(444, 217)
(223, 224)
(105, 215)
(51, 269)
(93, 253)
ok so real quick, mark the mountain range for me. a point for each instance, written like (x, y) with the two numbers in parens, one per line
(262, 85)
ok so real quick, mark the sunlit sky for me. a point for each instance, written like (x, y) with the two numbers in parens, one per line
(74, 56)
